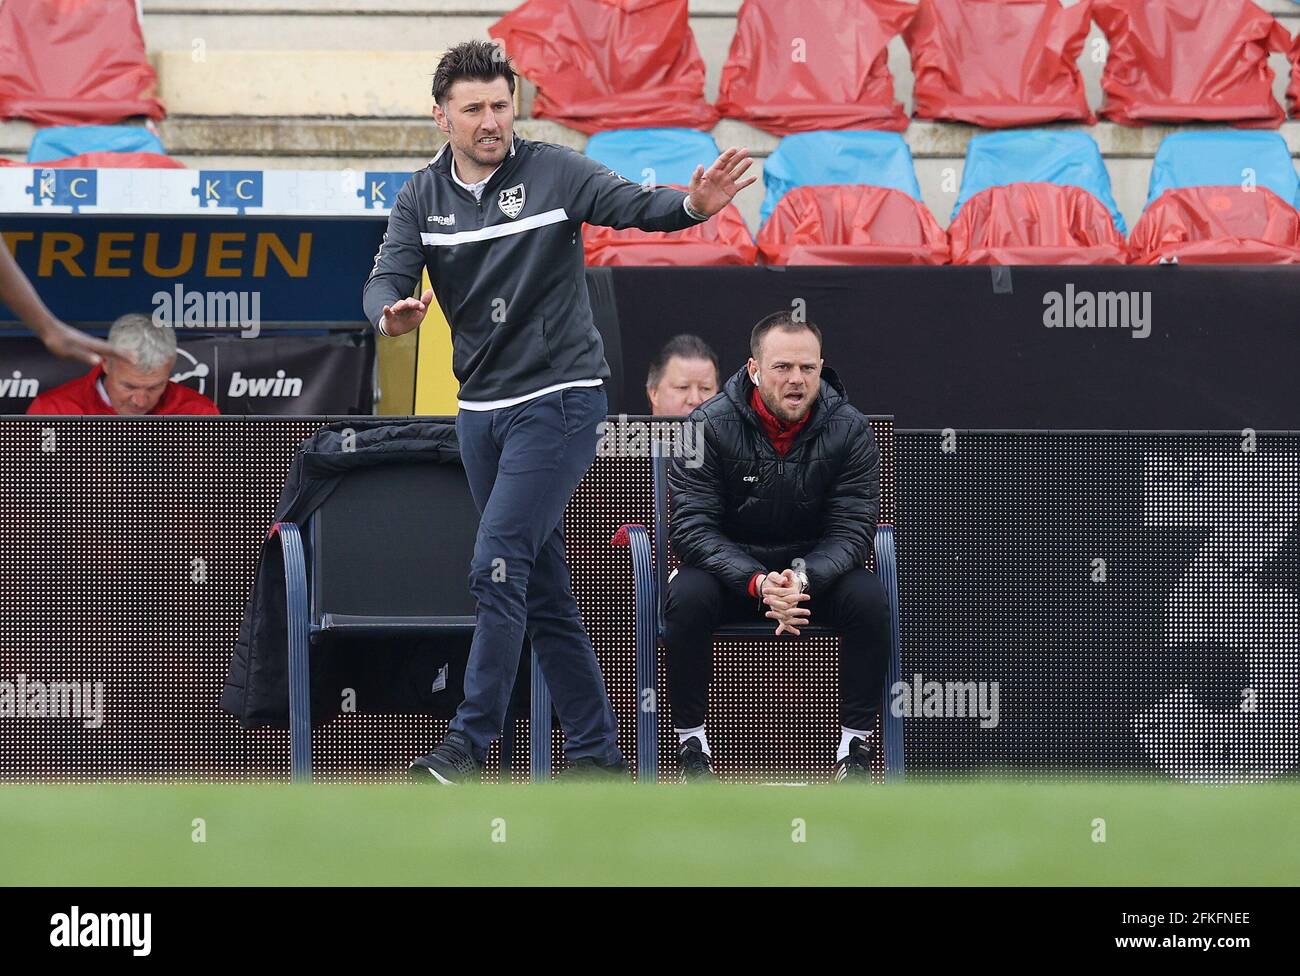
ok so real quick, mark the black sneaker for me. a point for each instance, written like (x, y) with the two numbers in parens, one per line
(696, 764)
(587, 768)
(857, 764)
(450, 764)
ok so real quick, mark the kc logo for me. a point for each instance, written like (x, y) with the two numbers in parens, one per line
(511, 201)
(381, 189)
(74, 188)
(229, 188)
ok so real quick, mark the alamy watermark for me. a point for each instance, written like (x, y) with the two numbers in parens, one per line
(25, 698)
(946, 699)
(181, 308)
(662, 438)
(1073, 309)
(75, 929)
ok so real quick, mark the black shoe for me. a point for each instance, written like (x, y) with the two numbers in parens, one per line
(696, 764)
(857, 764)
(586, 768)
(451, 764)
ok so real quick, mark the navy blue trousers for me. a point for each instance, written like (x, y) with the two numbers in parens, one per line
(523, 464)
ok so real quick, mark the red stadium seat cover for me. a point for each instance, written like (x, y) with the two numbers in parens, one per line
(1190, 60)
(609, 64)
(1035, 223)
(1293, 90)
(803, 67)
(723, 239)
(999, 63)
(851, 225)
(1217, 225)
(74, 62)
(112, 160)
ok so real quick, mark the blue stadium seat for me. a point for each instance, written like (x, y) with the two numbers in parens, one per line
(827, 158)
(62, 141)
(1221, 159)
(340, 571)
(662, 156)
(1037, 156)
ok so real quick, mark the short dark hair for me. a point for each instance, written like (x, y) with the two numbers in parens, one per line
(473, 60)
(687, 347)
(786, 323)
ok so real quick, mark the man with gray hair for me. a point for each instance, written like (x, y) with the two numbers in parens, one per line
(118, 387)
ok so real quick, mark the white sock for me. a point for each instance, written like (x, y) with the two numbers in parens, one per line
(847, 735)
(684, 734)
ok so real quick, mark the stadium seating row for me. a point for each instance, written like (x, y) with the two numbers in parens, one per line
(1019, 223)
(809, 67)
(1027, 197)
(792, 67)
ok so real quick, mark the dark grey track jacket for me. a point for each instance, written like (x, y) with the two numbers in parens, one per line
(508, 270)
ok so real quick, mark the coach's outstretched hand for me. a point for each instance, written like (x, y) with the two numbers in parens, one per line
(713, 189)
(66, 342)
(405, 316)
(60, 338)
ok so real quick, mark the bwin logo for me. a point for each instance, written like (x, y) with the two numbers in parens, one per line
(1098, 310)
(74, 930)
(195, 370)
(265, 386)
(19, 386)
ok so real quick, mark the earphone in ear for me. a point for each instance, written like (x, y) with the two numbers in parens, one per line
(753, 377)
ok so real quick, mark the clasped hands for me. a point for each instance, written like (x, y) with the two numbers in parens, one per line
(782, 594)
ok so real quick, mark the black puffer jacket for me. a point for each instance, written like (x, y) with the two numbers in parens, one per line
(746, 509)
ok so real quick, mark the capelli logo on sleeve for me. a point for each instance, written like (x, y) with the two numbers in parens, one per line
(78, 930)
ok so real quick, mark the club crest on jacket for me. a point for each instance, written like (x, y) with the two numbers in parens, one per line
(511, 201)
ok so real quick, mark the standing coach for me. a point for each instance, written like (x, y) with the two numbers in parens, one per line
(497, 220)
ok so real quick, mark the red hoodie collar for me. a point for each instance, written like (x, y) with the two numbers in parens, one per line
(780, 432)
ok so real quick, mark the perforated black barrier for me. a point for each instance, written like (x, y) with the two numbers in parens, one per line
(1106, 602)
(1200, 347)
(1072, 603)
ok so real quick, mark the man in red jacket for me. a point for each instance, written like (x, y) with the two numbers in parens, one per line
(118, 387)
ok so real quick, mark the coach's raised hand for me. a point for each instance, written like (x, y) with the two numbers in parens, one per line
(714, 188)
(405, 316)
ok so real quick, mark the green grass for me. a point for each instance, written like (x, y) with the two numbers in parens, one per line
(947, 833)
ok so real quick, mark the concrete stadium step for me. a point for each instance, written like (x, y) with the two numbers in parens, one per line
(244, 24)
(435, 24)
(416, 134)
(365, 84)
(386, 83)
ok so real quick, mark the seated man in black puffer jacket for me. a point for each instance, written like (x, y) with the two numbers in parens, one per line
(777, 515)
